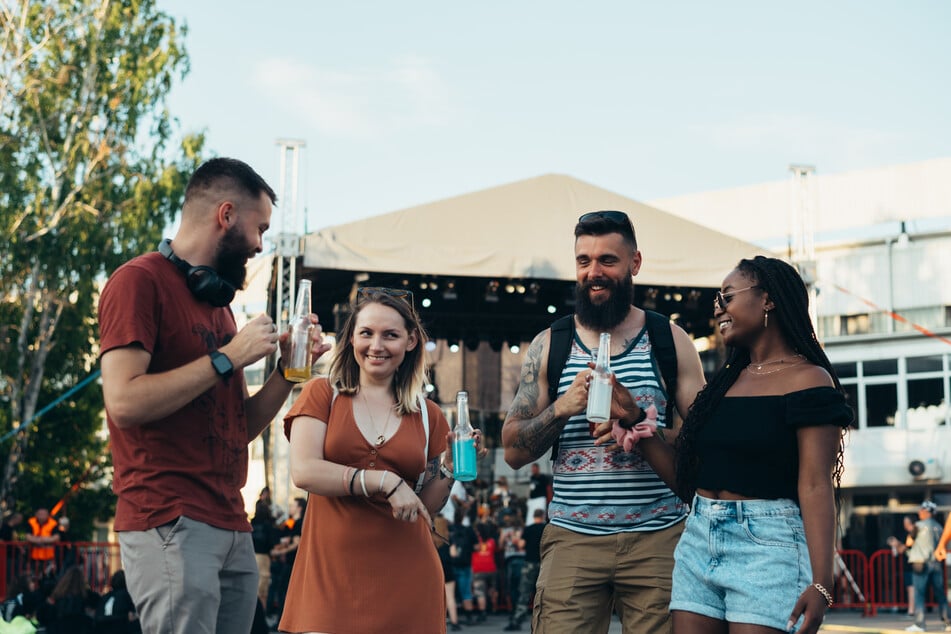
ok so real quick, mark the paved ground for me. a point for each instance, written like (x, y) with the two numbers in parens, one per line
(850, 621)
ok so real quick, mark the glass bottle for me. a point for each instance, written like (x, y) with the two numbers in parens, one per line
(297, 365)
(599, 388)
(463, 447)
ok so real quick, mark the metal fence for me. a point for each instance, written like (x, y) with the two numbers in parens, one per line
(874, 582)
(98, 561)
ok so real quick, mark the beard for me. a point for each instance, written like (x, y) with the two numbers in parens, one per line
(609, 313)
(231, 261)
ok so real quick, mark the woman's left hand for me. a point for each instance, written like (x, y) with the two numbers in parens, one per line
(481, 452)
(812, 607)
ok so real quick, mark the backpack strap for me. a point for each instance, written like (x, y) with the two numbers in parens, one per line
(559, 347)
(424, 413)
(562, 334)
(662, 346)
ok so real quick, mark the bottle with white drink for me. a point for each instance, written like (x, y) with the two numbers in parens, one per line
(599, 387)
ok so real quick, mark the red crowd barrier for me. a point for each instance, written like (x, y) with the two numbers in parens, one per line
(873, 583)
(98, 560)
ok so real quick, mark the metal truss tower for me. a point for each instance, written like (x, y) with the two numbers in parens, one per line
(289, 249)
(802, 230)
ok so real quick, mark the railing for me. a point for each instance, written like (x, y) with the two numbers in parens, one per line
(873, 583)
(866, 583)
(98, 561)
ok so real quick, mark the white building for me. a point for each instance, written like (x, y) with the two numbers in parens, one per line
(883, 276)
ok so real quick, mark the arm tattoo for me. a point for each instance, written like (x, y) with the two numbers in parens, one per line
(537, 435)
(537, 431)
(435, 474)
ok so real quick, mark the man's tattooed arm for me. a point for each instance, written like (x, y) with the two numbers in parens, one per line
(528, 433)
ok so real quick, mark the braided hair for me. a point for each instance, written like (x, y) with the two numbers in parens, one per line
(791, 299)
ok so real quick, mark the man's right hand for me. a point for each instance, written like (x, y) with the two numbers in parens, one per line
(575, 399)
(255, 341)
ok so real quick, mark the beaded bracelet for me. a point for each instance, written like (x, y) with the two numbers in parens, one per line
(825, 593)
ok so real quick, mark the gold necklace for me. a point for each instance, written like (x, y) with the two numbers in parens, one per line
(781, 361)
(381, 438)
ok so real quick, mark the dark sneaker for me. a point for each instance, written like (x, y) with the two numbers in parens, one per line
(455, 627)
(512, 627)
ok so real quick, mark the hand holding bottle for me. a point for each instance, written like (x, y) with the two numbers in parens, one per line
(255, 341)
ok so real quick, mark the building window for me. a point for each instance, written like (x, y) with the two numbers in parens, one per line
(881, 367)
(845, 370)
(881, 405)
(924, 364)
(926, 404)
(852, 398)
(854, 324)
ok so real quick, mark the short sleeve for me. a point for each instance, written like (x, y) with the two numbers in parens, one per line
(128, 310)
(314, 400)
(817, 406)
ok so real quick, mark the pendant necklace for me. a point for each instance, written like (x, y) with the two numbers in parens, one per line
(381, 438)
(784, 362)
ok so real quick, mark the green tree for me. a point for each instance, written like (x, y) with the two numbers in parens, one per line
(90, 175)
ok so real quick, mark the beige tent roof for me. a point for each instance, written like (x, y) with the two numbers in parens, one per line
(522, 230)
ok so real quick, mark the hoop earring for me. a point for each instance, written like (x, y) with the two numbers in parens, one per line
(765, 318)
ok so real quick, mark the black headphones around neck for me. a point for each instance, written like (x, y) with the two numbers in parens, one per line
(203, 281)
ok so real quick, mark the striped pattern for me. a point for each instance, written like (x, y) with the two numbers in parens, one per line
(599, 492)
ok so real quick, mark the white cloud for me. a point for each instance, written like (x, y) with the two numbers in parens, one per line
(407, 94)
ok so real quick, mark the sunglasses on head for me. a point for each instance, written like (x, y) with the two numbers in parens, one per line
(400, 293)
(619, 218)
(722, 299)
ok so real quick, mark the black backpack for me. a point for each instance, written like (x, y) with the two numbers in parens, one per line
(662, 347)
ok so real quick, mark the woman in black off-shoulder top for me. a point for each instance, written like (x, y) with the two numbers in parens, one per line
(759, 456)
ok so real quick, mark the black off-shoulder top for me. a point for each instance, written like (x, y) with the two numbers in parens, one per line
(749, 445)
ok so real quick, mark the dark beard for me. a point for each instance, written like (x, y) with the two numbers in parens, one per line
(231, 261)
(609, 314)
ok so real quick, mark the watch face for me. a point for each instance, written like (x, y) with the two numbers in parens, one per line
(222, 364)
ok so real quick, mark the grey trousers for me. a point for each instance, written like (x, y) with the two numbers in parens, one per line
(190, 578)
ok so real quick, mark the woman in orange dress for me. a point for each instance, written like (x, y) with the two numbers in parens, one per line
(358, 444)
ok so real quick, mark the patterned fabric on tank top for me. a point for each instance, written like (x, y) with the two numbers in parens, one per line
(598, 492)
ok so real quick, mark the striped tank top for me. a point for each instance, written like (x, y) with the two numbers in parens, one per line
(598, 492)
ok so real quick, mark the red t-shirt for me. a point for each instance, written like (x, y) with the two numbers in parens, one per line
(195, 461)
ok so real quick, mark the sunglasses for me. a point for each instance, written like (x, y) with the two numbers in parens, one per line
(722, 299)
(367, 292)
(615, 217)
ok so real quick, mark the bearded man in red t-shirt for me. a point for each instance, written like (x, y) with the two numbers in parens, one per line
(180, 417)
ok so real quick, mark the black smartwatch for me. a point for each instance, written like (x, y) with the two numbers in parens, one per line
(222, 364)
(624, 424)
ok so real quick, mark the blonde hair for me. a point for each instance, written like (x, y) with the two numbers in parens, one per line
(410, 377)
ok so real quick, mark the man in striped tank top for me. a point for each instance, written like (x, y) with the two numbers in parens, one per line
(614, 521)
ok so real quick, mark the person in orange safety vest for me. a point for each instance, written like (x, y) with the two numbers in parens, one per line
(43, 536)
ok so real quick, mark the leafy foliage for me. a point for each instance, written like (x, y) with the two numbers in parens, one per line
(89, 178)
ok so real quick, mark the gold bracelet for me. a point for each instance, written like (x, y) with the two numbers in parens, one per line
(825, 593)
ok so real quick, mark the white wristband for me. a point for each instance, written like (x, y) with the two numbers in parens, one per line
(363, 482)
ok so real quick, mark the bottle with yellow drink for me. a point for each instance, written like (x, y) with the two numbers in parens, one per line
(297, 365)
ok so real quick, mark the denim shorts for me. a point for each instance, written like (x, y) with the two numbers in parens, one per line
(741, 561)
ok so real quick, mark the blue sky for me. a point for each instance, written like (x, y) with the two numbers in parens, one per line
(405, 103)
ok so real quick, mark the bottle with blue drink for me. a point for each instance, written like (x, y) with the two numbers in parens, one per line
(463, 447)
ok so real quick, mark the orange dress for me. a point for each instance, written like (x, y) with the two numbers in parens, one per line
(358, 570)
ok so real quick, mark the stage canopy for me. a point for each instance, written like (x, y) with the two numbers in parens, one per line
(498, 263)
